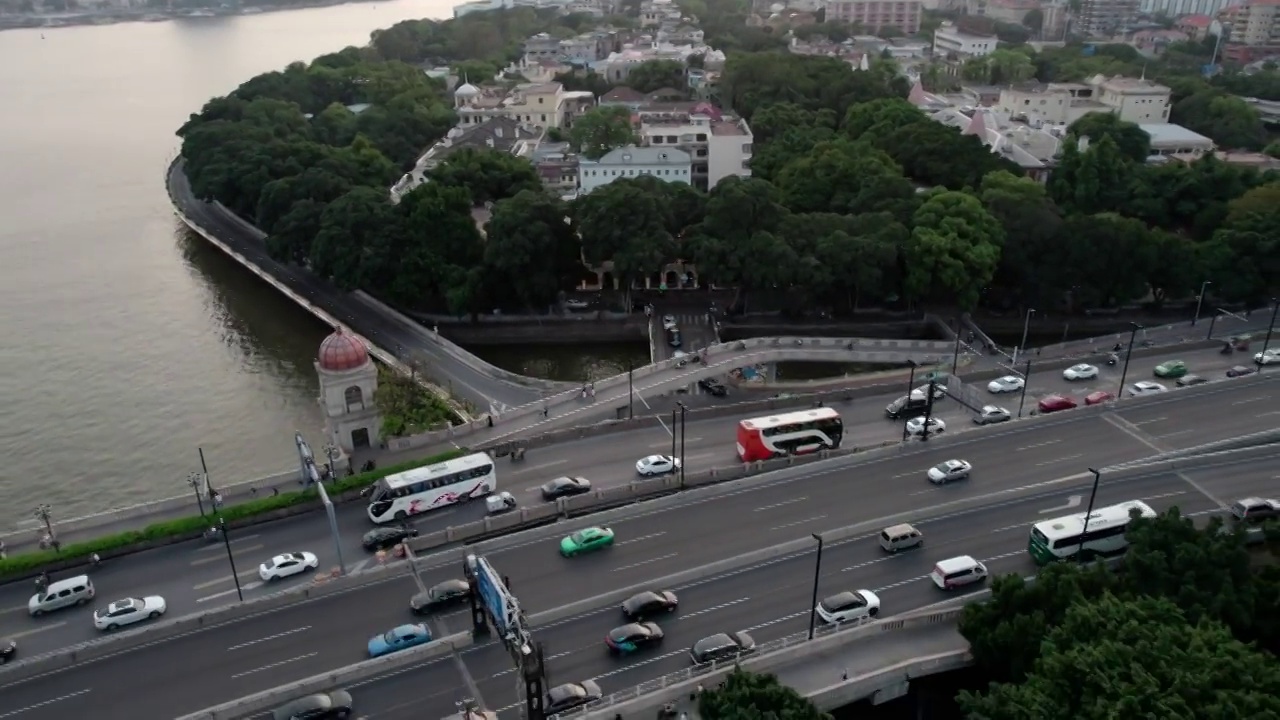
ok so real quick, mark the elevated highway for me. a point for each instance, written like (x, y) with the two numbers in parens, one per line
(1020, 476)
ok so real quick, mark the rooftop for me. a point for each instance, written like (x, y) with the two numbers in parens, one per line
(633, 155)
(726, 128)
(1170, 133)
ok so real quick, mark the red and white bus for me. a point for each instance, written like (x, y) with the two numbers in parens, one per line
(793, 433)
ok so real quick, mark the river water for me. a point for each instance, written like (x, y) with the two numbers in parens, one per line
(131, 343)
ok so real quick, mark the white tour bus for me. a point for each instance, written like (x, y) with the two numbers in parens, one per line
(1061, 538)
(396, 497)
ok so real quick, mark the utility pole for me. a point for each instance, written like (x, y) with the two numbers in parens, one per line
(215, 502)
(194, 480)
(44, 513)
(928, 411)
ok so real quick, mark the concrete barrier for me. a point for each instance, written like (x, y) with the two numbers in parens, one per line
(867, 685)
(259, 702)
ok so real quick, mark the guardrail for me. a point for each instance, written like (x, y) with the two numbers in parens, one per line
(258, 702)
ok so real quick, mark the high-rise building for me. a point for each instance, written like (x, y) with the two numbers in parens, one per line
(1105, 18)
(873, 16)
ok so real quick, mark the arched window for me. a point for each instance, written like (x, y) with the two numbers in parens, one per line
(354, 397)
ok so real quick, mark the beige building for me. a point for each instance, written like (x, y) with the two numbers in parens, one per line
(719, 146)
(876, 15)
(1136, 101)
(542, 105)
(348, 384)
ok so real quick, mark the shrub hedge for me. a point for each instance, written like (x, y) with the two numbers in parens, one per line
(188, 527)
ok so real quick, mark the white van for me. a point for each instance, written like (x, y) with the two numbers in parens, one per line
(76, 590)
(958, 571)
(900, 537)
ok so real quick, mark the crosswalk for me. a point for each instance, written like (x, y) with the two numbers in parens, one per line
(684, 320)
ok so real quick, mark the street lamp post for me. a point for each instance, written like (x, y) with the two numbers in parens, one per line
(1200, 302)
(1084, 531)
(1026, 325)
(331, 452)
(44, 513)
(673, 434)
(631, 390)
(1128, 354)
(910, 381)
(1275, 307)
(1026, 378)
(1212, 319)
(194, 480)
(928, 412)
(817, 573)
(215, 504)
(955, 354)
(683, 409)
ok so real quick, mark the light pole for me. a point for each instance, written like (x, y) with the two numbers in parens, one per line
(216, 506)
(331, 451)
(1125, 373)
(1026, 325)
(1084, 531)
(1212, 319)
(817, 573)
(631, 389)
(928, 413)
(683, 409)
(1200, 302)
(673, 434)
(910, 381)
(1275, 307)
(44, 513)
(194, 480)
(1026, 378)
(955, 354)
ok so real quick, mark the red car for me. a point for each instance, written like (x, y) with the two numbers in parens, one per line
(1054, 403)
(1097, 398)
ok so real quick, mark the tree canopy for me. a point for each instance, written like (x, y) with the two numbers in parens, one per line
(749, 696)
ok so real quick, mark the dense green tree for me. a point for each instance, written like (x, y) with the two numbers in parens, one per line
(841, 177)
(488, 175)
(1229, 121)
(1110, 255)
(602, 129)
(1094, 180)
(785, 131)
(748, 696)
(349, 227)
(1132, 142)
(626, 222)
(1030, 262)
(934, 154)
(437, 255)
(878, 118)
(753, 80)
(656, 75)
(954, 249)
(1245, 251)
(532, 248)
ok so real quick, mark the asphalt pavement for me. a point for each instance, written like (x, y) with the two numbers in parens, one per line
(197, 576)
(1014, 470)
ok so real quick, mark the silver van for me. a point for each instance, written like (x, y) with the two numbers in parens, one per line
(900, 537)
(957, 572)
(76, 590)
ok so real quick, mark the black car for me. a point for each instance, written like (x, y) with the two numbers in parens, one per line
(446, 594)
(906, 405)
(631, 638)
(724, 646)
(1241, 371)
(563, 698)
(383, 538)
(1190, 380)
(649, 603)
(321, 706)
(8, 650)
(713, 387)
(565, 487)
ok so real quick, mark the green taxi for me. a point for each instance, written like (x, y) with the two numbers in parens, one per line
(586, 540)
(1171, 369)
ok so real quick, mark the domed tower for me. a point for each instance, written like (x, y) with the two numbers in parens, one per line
(348, 380)
(465, 93)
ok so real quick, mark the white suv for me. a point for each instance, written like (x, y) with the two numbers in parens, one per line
(849, 607)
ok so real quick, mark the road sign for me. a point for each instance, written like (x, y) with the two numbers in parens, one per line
(502, 605)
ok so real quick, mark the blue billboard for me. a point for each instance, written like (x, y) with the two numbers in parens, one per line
(501, 604)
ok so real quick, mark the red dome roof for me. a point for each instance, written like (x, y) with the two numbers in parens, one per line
(341, 351)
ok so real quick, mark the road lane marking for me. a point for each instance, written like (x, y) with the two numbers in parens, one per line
(232, 591)
(1246, 401)
(221, 580)
(1162, 418)
(543, 466)
(1072, 501)
(46, 703)
(642, 538)
(273, 666)
(217, 558)
(661, 445)
(905, 474)
(1059, 460)
(1266, 414)
(646, 661)
(33, 631)
(1135, 432)
(798, 522)
(1037, 445)
(644, 562)
(703, 456)
(269, 638)
(20, 608)
(221, 546)
(1175, 434)
(763, 508)
(713, 608)
(869, 563)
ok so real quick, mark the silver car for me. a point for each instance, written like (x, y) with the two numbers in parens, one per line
(335, 704)
(992, 414)
(1006, 384)
(945, 472)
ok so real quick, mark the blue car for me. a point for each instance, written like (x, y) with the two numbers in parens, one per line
(399, 638)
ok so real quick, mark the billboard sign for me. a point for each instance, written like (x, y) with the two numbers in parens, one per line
(502, 606)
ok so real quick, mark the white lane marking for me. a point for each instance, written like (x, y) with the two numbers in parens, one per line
(221, 580)
(20, 608)
(659, 446)
(1055, 461)
(1162, 418)
(869, 563)
(221, 546)
(269, 638)
(33, 631)
(39, 705)
(273, 666)
(798, 522)
(763, 508)
(713, 608)
(642, 538)
(1265, 414)
(1175, 434)
(646, 661)
(1007, 528)
(644, 562)
(219, 558)
(1072, 501)
(1246, 401)
(1037, 445)
(543, 466)
(359, 566)
(703, 456)
(232, 591)
(905, 474)
(1134, 432)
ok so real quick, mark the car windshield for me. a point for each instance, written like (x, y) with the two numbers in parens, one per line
(579, 537)
(625, 632)
(390, 637)
(566, 692)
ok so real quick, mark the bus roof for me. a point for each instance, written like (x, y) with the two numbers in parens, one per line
(772, 421)
(1101, 518)
(418, 474)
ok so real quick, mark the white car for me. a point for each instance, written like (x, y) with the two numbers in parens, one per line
(915, 425)
(657, 465)
(282, 566)
(992, 414)
(1006, 384)
(922, 392)
(1266, 357)
(849, 607)
(669, 322)
(129, 611)
(945, 472)
(574, 304)
(1146, 387)
(1080, 372)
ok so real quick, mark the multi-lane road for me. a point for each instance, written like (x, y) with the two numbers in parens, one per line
(196, 576)
(1017, 474)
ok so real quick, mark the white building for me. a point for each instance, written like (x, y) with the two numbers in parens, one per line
(720, 146)
(949, 41)
(1169, 139)
(348, 383)
(544, 105)
(1177, 8)
(669, 164)
(1136, 101)
(618, 65)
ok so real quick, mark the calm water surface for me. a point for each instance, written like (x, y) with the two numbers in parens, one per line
(128, 343)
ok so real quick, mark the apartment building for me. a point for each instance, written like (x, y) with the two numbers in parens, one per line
(618, 65)
(581, 50)
(1105, 18)
(1178, 8)
(719, 145)
(1133, 100)
(654, 13)
(543, 105)
(1254, 31)
(876, 15)
(1006, 11)
(668, 164)
(952, 43)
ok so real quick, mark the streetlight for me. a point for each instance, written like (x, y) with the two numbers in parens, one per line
(673, 434)
(44, 514)
(215, 502)
(194, 480)
(331, 451)
(1084, 531)
(817, 572)
(1125, 373)
(683, 410)
(631, 389)
(1275, 307)
(910, 381)
(955, 355)
(1026, 325)
(1200, 301)
(1026, 378)
(928, 412)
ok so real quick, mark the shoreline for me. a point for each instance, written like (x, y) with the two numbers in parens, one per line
(119, 17)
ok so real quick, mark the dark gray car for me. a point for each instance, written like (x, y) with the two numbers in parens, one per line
(321, 706)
